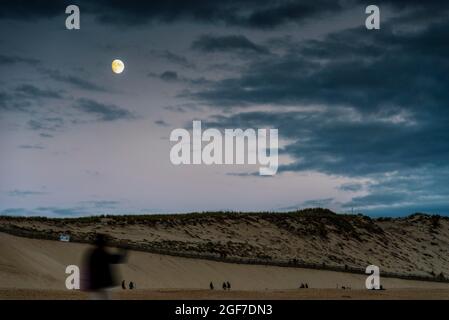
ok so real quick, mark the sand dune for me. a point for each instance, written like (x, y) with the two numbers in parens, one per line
(414, 245)
(40, 265)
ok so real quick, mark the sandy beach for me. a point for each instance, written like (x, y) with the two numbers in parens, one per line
(35, 269)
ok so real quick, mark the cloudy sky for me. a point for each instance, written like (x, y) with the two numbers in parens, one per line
(362, 115)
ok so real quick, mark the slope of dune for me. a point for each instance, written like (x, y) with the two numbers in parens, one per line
(414, 245)
(40, 265)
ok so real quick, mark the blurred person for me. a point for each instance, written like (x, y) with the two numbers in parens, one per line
(99, 272)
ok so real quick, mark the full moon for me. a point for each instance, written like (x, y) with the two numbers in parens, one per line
(118, 66)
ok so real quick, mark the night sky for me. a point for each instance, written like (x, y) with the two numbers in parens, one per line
(363, 115)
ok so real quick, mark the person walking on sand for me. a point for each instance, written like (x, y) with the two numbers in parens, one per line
(100, 276)
(228, 285)
(211, 285)
(224, 285)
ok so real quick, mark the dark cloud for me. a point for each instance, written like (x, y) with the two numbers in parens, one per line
(31, 146)
(252, 13)
(368, 86)
(374, 102)
(13, 59)
(26, 97)
(351, 186)
(29, 10)
(366, 70)
(407, 209)
(261, 14)
(10, 102)
(377, 199)
(422, 190)
(184, 107)
(74, 81)
(34, 92)
(320, 203)
(24, 193)
(291, 11)
(173, 58)
(15, 212)
(336, 142)
(177, 109)
(64, 212)
(161, 123)
(102, 204)
(229, 43)
(169, 76)
(52, 211)
(46, 124)
(5, 100)
(81, 209)
(45, 135)
(172, 76)
(104, 112)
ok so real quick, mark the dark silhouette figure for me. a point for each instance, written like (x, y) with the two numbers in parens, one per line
(228, 285)
(131, 285)
(123, 285)
(99, 272)
(224, 286)
(307, 286)
(211, 285)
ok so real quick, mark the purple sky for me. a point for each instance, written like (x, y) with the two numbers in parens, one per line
(362, 115)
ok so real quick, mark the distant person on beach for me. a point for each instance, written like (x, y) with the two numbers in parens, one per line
(228, 285)
(211, 285)
(100, 276)
(131, 285)
(224, 286)
(123, 285)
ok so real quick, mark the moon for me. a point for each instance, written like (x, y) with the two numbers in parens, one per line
(118, 66)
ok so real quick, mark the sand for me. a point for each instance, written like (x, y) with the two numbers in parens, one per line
(309, 294)
(31, 268)
(414, 245)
